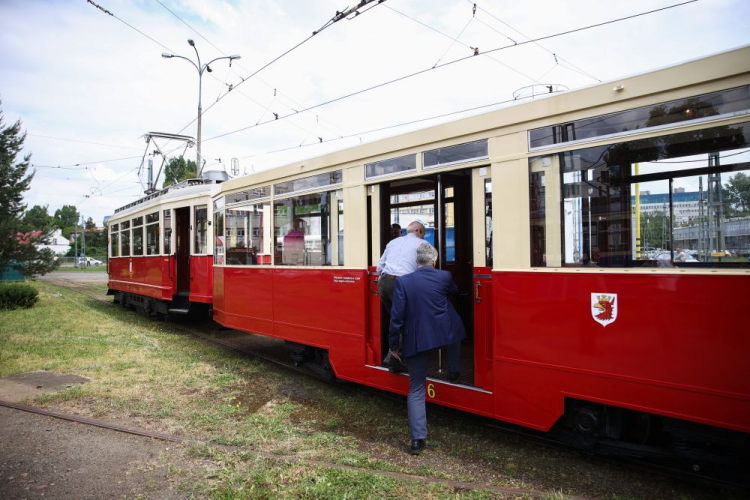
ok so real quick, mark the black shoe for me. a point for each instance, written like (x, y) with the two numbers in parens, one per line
(394, 365)
(417, 446)
(454, 376)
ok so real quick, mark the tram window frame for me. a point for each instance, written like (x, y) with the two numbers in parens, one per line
(308, 254)
(391, 166)
(167, 233)
(152, 232)
(219, 257)
(200, 233)
(137, 228)
(114, 240)
(605, 179)
(432, 158)
(125, 238)
(702, 107)
(248, 234)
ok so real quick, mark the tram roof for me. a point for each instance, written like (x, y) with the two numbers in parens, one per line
(545, 111)
(182, 189)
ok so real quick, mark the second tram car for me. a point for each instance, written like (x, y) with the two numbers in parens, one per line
(161, 252)
(584, 314)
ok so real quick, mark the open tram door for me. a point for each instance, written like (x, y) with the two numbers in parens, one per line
(455, 207)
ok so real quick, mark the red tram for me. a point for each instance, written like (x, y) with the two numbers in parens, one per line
(593, 311)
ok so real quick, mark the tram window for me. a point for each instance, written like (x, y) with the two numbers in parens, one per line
(341, 231)
(201, 230)
(152, 234)
(682, 110)
(138, 237)
(460, 153)
(390, 166)
(219, 231)
(302, 230)
(125, 239)
(114, 241)
(247, 235)
(689, 189)
(311, 182)
(167, 231)
(488, 222)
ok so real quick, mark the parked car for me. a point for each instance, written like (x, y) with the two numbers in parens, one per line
(89, 261)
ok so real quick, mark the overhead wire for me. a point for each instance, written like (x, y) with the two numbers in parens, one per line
(330, 22)
(403, 124)
(473, 49)
(555, 55)
(427, 70)
(79, 141)
(280, 94)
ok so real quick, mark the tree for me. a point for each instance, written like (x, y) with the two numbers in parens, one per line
(90, 224)
(17, 244)
(67, 217)
(178, 169)
(37, 218)
(738, 192)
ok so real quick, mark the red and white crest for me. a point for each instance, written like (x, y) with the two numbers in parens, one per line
(604, 308)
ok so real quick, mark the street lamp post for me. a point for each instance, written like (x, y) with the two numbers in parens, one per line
(200, 68)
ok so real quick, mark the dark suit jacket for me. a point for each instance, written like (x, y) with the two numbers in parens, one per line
(422, 312)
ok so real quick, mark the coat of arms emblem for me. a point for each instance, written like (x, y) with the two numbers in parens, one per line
(604, 308)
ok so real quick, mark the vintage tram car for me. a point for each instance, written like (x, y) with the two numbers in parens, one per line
(539, 210)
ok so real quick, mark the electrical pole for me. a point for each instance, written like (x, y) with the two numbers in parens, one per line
(75, 251)
(83, 241)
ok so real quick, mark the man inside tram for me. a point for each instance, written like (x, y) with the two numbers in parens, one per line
(395, 230)
(398, 259)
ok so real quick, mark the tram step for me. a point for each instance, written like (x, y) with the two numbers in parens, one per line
(178, 311)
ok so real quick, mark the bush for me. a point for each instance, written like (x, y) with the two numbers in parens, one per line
(17, 296)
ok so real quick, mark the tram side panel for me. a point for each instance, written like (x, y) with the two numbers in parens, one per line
(675, 346)
(201, 279)
(145, 276)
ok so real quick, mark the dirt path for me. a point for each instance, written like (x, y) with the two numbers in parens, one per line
(43, 457)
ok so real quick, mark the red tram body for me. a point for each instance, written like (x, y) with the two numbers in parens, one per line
(576, 325)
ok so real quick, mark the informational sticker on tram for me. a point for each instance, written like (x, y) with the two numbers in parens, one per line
(346, 279)
(604, 308)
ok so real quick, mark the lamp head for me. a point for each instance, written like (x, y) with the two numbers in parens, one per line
(191, 42)
(236, 56)
(167, 55)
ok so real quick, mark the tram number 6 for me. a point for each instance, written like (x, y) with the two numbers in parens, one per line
(431, 390)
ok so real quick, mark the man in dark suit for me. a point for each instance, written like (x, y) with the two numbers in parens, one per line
(425, 317)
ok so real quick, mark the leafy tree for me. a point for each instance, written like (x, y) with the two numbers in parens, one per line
(67, 217)
(738, 192)
(90, 224)
(17, 246)
(655, 230)
(178, 169)
(37, 218)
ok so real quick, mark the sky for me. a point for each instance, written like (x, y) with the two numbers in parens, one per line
(87, 85)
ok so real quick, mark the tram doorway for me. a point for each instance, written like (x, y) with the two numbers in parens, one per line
(182, 250)
(443, 202)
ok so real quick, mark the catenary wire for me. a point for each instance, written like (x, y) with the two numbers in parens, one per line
(462, 43)
(573, 66)
(83, 142)
(427, 70)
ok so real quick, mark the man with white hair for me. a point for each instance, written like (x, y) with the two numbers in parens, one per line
(425, 318)
(398, 259)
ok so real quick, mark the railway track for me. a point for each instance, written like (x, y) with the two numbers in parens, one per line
(680, 472)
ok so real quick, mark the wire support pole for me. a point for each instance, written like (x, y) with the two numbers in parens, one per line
(200, 68)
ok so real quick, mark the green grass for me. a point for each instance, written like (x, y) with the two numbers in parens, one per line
(87, 269)
(148, 374)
